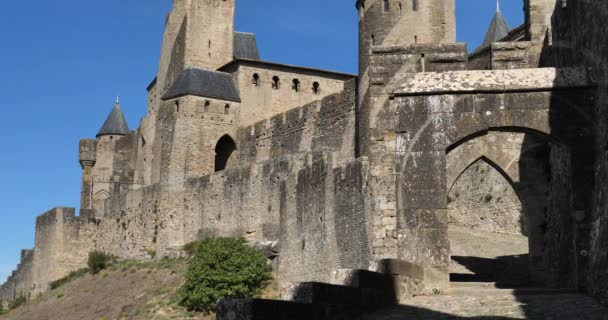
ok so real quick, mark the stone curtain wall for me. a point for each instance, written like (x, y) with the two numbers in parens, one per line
(63, 242)
(483, 199)
(327, 125)
(251, 201)
(323, 222)
(20, 282)
(579, 38)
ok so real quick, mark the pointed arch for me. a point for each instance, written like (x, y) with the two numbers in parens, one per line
(224, 149)
(101, 195)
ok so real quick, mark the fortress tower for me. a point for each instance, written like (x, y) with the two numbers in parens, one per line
(198, 34)
(398, 22)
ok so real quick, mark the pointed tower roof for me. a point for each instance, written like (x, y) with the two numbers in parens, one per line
(499, 28)
(115, 123)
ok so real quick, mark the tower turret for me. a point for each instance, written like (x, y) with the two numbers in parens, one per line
(115, 123)
(198, 34)
(399, 22)
(498, 29)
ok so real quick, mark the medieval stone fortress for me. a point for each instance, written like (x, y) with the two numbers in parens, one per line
(334, 174)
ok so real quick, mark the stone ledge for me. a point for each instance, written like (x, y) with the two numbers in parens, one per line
(473, 81)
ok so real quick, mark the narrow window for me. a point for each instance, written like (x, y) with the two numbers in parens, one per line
(256, 79)
(209, 44)
(415, 5)
(275, 82)
(227, 109)
(177, 105)
(206, 107)
(400, 9)
(373, 40)
(296, 85)
(386, 6)
(316, 88)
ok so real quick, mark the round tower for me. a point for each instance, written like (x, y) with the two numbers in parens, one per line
(400, 22)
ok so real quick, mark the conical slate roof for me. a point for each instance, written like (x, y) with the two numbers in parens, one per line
(115, 123)
(499, 28)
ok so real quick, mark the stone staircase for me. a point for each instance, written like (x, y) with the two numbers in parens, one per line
(484, 301)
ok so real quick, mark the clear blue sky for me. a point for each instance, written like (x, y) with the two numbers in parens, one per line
(63, 62)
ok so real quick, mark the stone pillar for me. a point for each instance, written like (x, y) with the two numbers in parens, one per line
(87, 158)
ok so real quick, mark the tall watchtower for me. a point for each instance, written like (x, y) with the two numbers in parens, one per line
(399, 22)
(198, 34)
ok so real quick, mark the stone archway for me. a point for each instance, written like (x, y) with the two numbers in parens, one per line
(224, 149)
(498, 196)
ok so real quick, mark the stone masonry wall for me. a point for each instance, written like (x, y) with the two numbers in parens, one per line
(483, 199)
(327, 125)
(249, 200)
(261, 100)
(579, 38)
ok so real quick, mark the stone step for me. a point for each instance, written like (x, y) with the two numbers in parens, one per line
(490, 290)
(323, 293)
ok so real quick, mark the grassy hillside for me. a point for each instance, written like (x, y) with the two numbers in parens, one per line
(127, 290)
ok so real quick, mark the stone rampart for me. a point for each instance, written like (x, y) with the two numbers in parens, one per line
(327, 125)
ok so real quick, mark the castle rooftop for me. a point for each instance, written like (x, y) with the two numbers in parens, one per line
(115, 124)
(204, 83)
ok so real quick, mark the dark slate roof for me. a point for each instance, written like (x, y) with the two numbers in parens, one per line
(499, 28)
(245, 46)
(275, 65)
(115, 123)
(203, 83)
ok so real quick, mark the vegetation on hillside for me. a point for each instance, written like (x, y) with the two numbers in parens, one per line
(222, 268)
(98, 261)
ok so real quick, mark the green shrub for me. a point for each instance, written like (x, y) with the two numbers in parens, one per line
(191, 248)
(72, 276)
(223, 268)
(19, 301)
(98, 261)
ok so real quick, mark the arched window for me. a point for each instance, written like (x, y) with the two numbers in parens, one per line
(177, 105)
(387, 6)
(256, 79)
(316, 88)
(224, 148)
(276, 82)
(206, 107)
(296, 85)
(227, 109)
(373, 40)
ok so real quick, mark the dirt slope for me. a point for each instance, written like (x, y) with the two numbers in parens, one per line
(137, 291)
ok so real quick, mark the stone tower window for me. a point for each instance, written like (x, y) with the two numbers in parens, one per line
(276, 82)
(415, 5)
(373, 40)
(256, 79)
(400, 9)
(177, 105)
(316, 88)
(386, 6)
(296, 85)
(206, 107)
(227, 109)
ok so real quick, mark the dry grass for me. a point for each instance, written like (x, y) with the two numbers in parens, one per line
(125, 291)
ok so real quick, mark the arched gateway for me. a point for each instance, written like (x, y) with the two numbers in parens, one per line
(524, 135)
